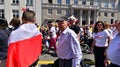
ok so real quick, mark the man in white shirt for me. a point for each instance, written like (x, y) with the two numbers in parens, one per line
(113, 52)
(68, 48)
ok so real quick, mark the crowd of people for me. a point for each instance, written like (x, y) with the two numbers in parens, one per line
(21, 41)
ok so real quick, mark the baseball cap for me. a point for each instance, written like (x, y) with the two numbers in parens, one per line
(63, 18)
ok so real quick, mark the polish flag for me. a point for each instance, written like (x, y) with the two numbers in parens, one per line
(25, 46)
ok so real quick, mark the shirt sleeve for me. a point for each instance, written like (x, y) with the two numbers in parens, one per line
(93, 35)
(107, 33)
(76, 49)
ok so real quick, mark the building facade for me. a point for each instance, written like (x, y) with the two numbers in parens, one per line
(13, 8)
(87, 11)
(119, 9)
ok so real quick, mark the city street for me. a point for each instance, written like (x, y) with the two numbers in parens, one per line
(47, 59)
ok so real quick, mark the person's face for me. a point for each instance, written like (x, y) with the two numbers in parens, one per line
(50, 24)
(117, 25)
(62, 25)
(42, 28)
(71, 21)
(99, 26)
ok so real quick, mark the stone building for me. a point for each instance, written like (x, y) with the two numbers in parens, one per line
(87, 11)
(13, 8)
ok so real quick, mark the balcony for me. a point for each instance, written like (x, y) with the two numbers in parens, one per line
(109, 9)
(76, 6)
(55, 6)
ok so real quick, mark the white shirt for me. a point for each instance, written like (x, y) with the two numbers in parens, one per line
(101, 38)
(113, 52)
(69, 47)
(53, 32)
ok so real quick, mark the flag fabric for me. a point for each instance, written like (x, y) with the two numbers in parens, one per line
(23, 9)
(25, 45)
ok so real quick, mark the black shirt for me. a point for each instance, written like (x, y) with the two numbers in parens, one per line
(4, 35)
(75, 28)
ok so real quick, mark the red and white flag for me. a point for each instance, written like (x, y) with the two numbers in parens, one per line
(25, 45)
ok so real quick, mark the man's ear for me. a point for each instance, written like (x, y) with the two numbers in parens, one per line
(34, 20)
(23, 21)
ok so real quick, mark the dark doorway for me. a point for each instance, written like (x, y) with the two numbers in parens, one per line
(91, 22)
(111, 21)
(83, 22)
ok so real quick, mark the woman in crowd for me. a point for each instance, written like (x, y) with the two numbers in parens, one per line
(100, 43)
(14, 23)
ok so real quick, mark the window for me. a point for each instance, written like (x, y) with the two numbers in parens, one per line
(99, 4)
(58, 11)
(105, 5)
(84, 2)
(16, 13)
(1, 1)
(50, 11)
(105, 14)
(67, 12)
(83, 14)
(75, 13)
(118, 5)
(91, 13)
(1, 13)
(29, 2)
(112, 21)
(75, 1)
(91, 3)
(67, 1)
(112, 5)
(59, 1)
(99, 14)
(15, 1)
(49, 1)
(112, 14)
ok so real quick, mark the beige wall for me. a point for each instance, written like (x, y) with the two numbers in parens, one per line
(102, 17)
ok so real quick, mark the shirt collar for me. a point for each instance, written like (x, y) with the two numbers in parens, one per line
(65, 31)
